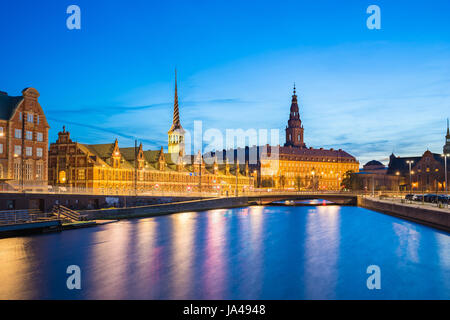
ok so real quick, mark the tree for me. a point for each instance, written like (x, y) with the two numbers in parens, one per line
(299, 182)
(282, 181)
(351, 181)
(267, 183)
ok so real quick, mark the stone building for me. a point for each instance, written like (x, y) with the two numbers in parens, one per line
(374, 176)
(110, 169)
(23, 142)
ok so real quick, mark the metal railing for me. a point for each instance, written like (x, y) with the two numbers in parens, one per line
(8, 217)
(67, 214)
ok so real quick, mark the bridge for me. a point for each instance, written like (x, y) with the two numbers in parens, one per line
(342, 198)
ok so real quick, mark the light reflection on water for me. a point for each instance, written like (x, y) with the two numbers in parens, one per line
(246, 253)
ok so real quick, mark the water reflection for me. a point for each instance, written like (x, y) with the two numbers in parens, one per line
(183, 233)
(214, 279)
(259, 252)
(109, 260)
(322, 252)
(409, 241)
(14, 260)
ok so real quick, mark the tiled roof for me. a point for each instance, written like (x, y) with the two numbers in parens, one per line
(315, 152)
(398, 164)
(101, 150)
(8, 105)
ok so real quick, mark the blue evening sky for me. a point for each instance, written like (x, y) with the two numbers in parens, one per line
(370, 92)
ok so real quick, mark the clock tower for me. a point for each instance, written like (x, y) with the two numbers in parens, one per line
(294, 129)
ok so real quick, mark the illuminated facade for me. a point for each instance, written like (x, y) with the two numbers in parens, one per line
(23, 142)
(109, 169)
(296, 167)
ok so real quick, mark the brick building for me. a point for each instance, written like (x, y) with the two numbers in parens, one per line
(23, 142)
(427, 172)
(110, 169)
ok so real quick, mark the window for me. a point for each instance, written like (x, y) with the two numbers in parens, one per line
(37, 119)
(1, 147)
(29, 135)
(1, 131)
(30, 117)
(81, 175)
(20, 116)
(28, 171)
(39, 167)
(18, 133)
(17, 171)
(17, 150)
(29, 151)
(62, 177)
(39, 152)
(40, 136)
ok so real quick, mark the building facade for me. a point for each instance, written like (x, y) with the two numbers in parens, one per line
(296, 167)
(427, 172)
(374, 177)
(23, 142)
(110, 169)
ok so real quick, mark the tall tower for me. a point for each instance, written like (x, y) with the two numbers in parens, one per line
(176, 131)
(294, 129)
(447, 141)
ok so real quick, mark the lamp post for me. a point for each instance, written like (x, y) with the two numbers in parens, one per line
(398, 181)
(410, 162)
(445, 155)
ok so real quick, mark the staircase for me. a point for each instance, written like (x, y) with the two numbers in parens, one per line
(67, 214)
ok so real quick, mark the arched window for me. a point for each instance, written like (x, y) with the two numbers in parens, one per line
(62, 176)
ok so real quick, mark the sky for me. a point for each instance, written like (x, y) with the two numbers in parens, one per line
(369, 92)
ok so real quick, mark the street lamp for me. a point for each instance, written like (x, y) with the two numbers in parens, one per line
(445, 155)
(410, 162)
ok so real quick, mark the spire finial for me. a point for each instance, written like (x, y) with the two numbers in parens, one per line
(294, 88)
(176, 115)
(448, 130)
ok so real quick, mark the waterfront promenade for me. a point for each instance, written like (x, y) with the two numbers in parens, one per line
(425, 213)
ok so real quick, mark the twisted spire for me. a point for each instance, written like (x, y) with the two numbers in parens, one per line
(176, 113)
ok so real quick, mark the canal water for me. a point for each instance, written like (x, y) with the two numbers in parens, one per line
(258, 252)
